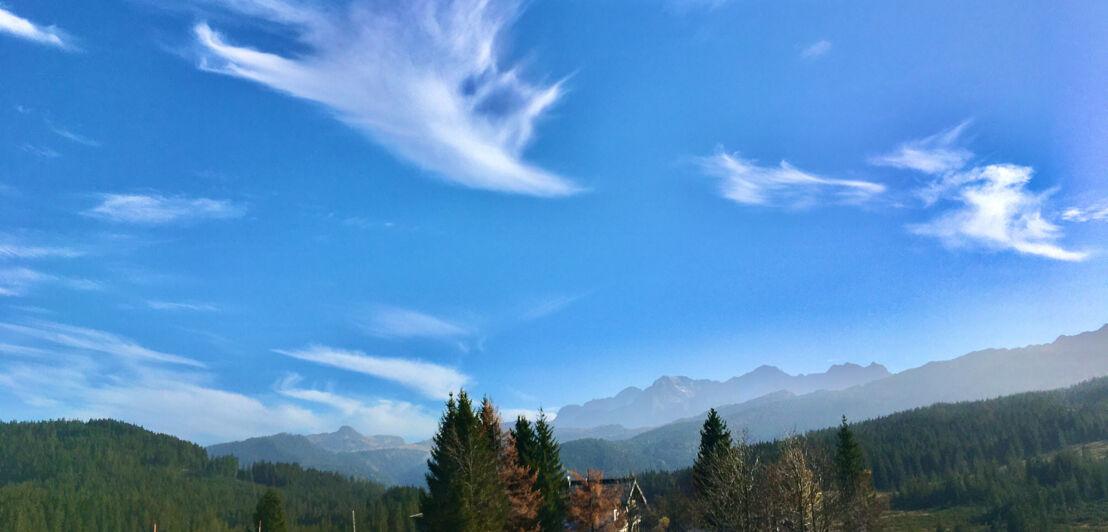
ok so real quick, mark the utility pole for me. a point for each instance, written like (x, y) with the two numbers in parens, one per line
(353, 522)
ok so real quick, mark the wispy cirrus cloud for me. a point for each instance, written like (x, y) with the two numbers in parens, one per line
(18, 281)
(746, 182)
(75, 137)
(182, 305)
(157, 209)
(68, 336)
(993, 206)
(60, 371)
(1092, 213)
(816, 50)
(37, 252)
(396, 322)
(998, 211)
(383, 416)
(16, 26)
(432, 380)
(936, 154)
(422, 78)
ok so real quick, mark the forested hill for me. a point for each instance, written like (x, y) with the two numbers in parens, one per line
(109, 475)
(1028, 461)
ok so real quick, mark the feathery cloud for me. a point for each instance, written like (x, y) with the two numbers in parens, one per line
(182, 305)
(61, 371)
(16, 26)
(57, 334)
(745, 182)
(378, 415)
(36, 252)
(1093, 213)
(422, 78)
(816, 50)
(998, 211)
(432, 380)
(936, 154)
(155, 209)
(394, 322)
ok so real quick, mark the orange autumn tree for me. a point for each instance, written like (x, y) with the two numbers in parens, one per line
(516, 478)
(594, 506)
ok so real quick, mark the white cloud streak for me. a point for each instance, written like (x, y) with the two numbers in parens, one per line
(745, 182)
(182, 305)
(937, 154)
(60, 335)
(70, 135)
(16, 26)
(379, 416)
(432, 380)
(393, 322)
(8, 251)
(421, 78)
(155, 209)
(816, 50)
(1094, 213)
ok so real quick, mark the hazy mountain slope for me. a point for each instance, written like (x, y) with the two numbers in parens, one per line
(400, 465)
(978, 375)
(346, 439)
(672, 398)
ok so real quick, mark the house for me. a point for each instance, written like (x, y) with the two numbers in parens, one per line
(632, 500)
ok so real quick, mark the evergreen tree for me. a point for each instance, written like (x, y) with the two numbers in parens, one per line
(715, 442)
(858, 504)
(464, 492)
(551, 476)
(526, 441)
(270, 513)
(848, 460)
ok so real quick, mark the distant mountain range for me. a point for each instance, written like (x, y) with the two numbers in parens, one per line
(385, 459)
(673, 398)
(979, 375)
(766, 402)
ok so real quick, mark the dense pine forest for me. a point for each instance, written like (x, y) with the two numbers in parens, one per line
(1033, 461)
(109, 475)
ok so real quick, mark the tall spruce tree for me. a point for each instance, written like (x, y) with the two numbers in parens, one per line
(463, 488)
(270, 513)
(526, 441)
(848, 460)
(715, 444)
(551, 482)
(859, 507)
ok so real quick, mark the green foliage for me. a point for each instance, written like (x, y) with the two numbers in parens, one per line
(109, 475)
(715, 443)
(551, 479)
(848, 460)
(464, 492)
(270, 513)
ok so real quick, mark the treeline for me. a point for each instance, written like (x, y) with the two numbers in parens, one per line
(109, 475)
(1011, 462)
(931, 442)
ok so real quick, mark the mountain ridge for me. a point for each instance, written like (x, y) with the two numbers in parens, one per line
(670, 398)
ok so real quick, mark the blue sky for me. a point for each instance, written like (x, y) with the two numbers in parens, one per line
(225, 218)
